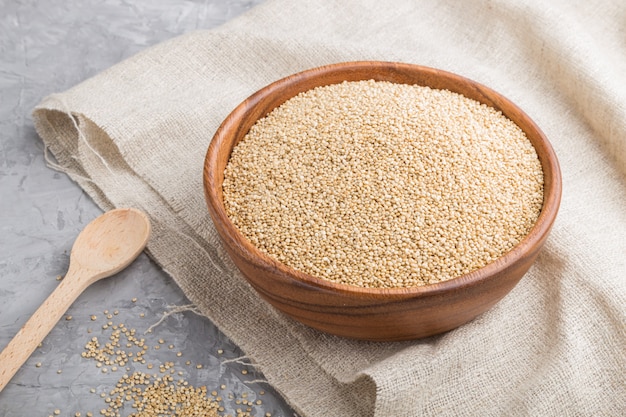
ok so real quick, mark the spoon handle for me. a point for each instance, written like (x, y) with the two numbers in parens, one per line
(39, 325)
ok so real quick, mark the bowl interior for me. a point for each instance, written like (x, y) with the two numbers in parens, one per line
(238, 123)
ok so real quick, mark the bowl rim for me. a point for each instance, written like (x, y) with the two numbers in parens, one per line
(245, 249)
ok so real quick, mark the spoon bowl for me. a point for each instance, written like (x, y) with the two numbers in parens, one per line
(109, 244)
(106, 246)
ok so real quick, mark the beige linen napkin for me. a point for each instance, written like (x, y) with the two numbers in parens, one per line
(136, 135)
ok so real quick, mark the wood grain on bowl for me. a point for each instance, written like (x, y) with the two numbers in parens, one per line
(371, 313)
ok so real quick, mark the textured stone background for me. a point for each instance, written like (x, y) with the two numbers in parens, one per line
(47, 47)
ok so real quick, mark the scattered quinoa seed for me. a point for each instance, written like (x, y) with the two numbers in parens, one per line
(165, 393)
(376, 184)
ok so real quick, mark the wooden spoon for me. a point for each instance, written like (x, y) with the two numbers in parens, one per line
(106, 246)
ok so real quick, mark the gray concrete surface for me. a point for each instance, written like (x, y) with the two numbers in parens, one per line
(49, 46)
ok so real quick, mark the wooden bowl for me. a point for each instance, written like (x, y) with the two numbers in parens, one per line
(371, 313)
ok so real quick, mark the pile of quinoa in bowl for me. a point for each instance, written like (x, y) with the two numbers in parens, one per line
(381, 201)
(377, 184)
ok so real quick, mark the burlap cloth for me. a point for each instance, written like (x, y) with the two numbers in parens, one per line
(554, 346)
